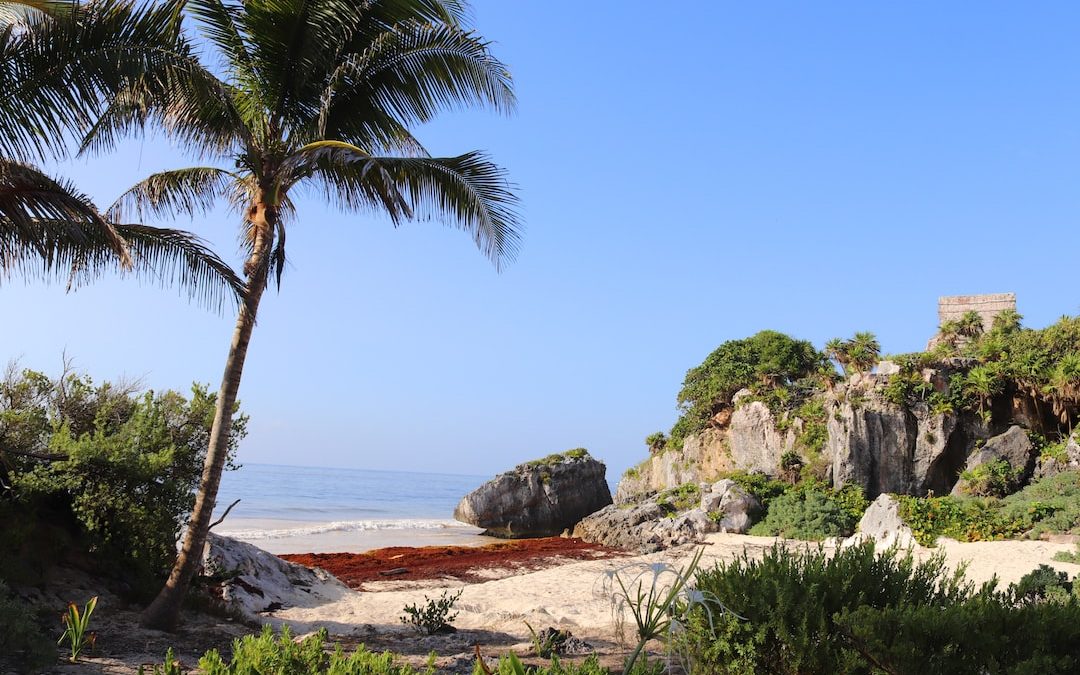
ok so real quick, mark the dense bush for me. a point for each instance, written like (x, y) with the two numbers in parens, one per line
(805, 514)
(776, 615)
(1049, 505)
(23, 644)
(766, 362)
(114, 468)
(860, 611)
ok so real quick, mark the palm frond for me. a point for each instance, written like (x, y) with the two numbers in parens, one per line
(408, 75)
(55, 71)
(468, 191)
(191, 191)
(37, 210)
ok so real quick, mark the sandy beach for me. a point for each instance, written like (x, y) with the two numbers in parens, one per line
(568, 594)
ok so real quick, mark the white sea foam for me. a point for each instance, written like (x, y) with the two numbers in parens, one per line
(343, 526)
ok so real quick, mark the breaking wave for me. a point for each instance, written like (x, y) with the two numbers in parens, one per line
(342, 526)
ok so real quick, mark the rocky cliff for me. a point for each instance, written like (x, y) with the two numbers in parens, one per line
(869, 441)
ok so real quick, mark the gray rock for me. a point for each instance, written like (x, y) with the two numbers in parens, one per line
(882, 524)
(1013, 446)
(732, 508)
(887, 368)
(648, 526)
(539, 499)
(756, 445)
(870, 443)
(1049, 466)
(253, 581)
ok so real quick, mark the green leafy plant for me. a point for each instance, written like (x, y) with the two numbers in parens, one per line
(812, 512)
(680, 498)
(76, 624)
(992, 479)
(171, 666)
(435, 616)
(657, 597)
(267, 653)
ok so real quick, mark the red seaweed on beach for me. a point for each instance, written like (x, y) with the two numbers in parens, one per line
(463, 563)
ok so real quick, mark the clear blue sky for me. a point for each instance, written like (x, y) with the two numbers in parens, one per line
(690, 173)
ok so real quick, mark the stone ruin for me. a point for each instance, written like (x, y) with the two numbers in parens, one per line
(954, 307)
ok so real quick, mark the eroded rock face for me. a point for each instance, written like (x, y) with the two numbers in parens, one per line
(704, 455)
(537, 499)
(756, 445)
(649, 526)
(253, 581)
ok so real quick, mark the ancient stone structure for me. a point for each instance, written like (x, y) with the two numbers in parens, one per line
(953, 307)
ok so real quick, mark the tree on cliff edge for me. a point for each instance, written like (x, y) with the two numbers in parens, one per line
(321, 93)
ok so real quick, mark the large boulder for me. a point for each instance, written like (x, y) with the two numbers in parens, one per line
(882, 524)
(538, 499)
(732, 508)
(1014, 446)
(252, 581)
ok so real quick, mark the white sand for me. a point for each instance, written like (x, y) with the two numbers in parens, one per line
(568, 596)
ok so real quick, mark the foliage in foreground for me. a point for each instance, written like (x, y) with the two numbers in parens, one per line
(23, 644)
(111, 469)
(859, 611)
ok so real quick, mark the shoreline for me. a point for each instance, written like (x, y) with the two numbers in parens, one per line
(291, 536)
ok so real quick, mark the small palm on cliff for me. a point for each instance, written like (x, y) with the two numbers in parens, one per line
(319, 94)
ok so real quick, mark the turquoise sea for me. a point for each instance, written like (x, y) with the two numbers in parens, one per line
(292, 509)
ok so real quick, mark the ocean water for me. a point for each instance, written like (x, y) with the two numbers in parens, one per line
(292, 509)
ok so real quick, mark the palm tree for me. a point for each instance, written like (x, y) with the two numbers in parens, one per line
(318, 93)
(48, 228)
(863, 351)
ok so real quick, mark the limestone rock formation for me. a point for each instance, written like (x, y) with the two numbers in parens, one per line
(882, 524)
(253, 581)
(650, 526)
(538, 499)
(1014, 446)
(756, 445)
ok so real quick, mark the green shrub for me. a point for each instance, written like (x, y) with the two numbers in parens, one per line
(1049, 505)
(1043, 584)
(265, 653)
(23, 644)
(760, 485)
(1069, 556)
(983, 634)
(116, 468)
(435, 616)
(511, 665)
(557, 458)
(806, 513)
(681, 498)
(992, 479)
(766, 362)
(782, 608)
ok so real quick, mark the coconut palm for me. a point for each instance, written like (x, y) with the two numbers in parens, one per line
(47, 227)
(319, 94)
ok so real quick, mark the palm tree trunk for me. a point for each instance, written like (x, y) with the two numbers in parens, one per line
(164, 612)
